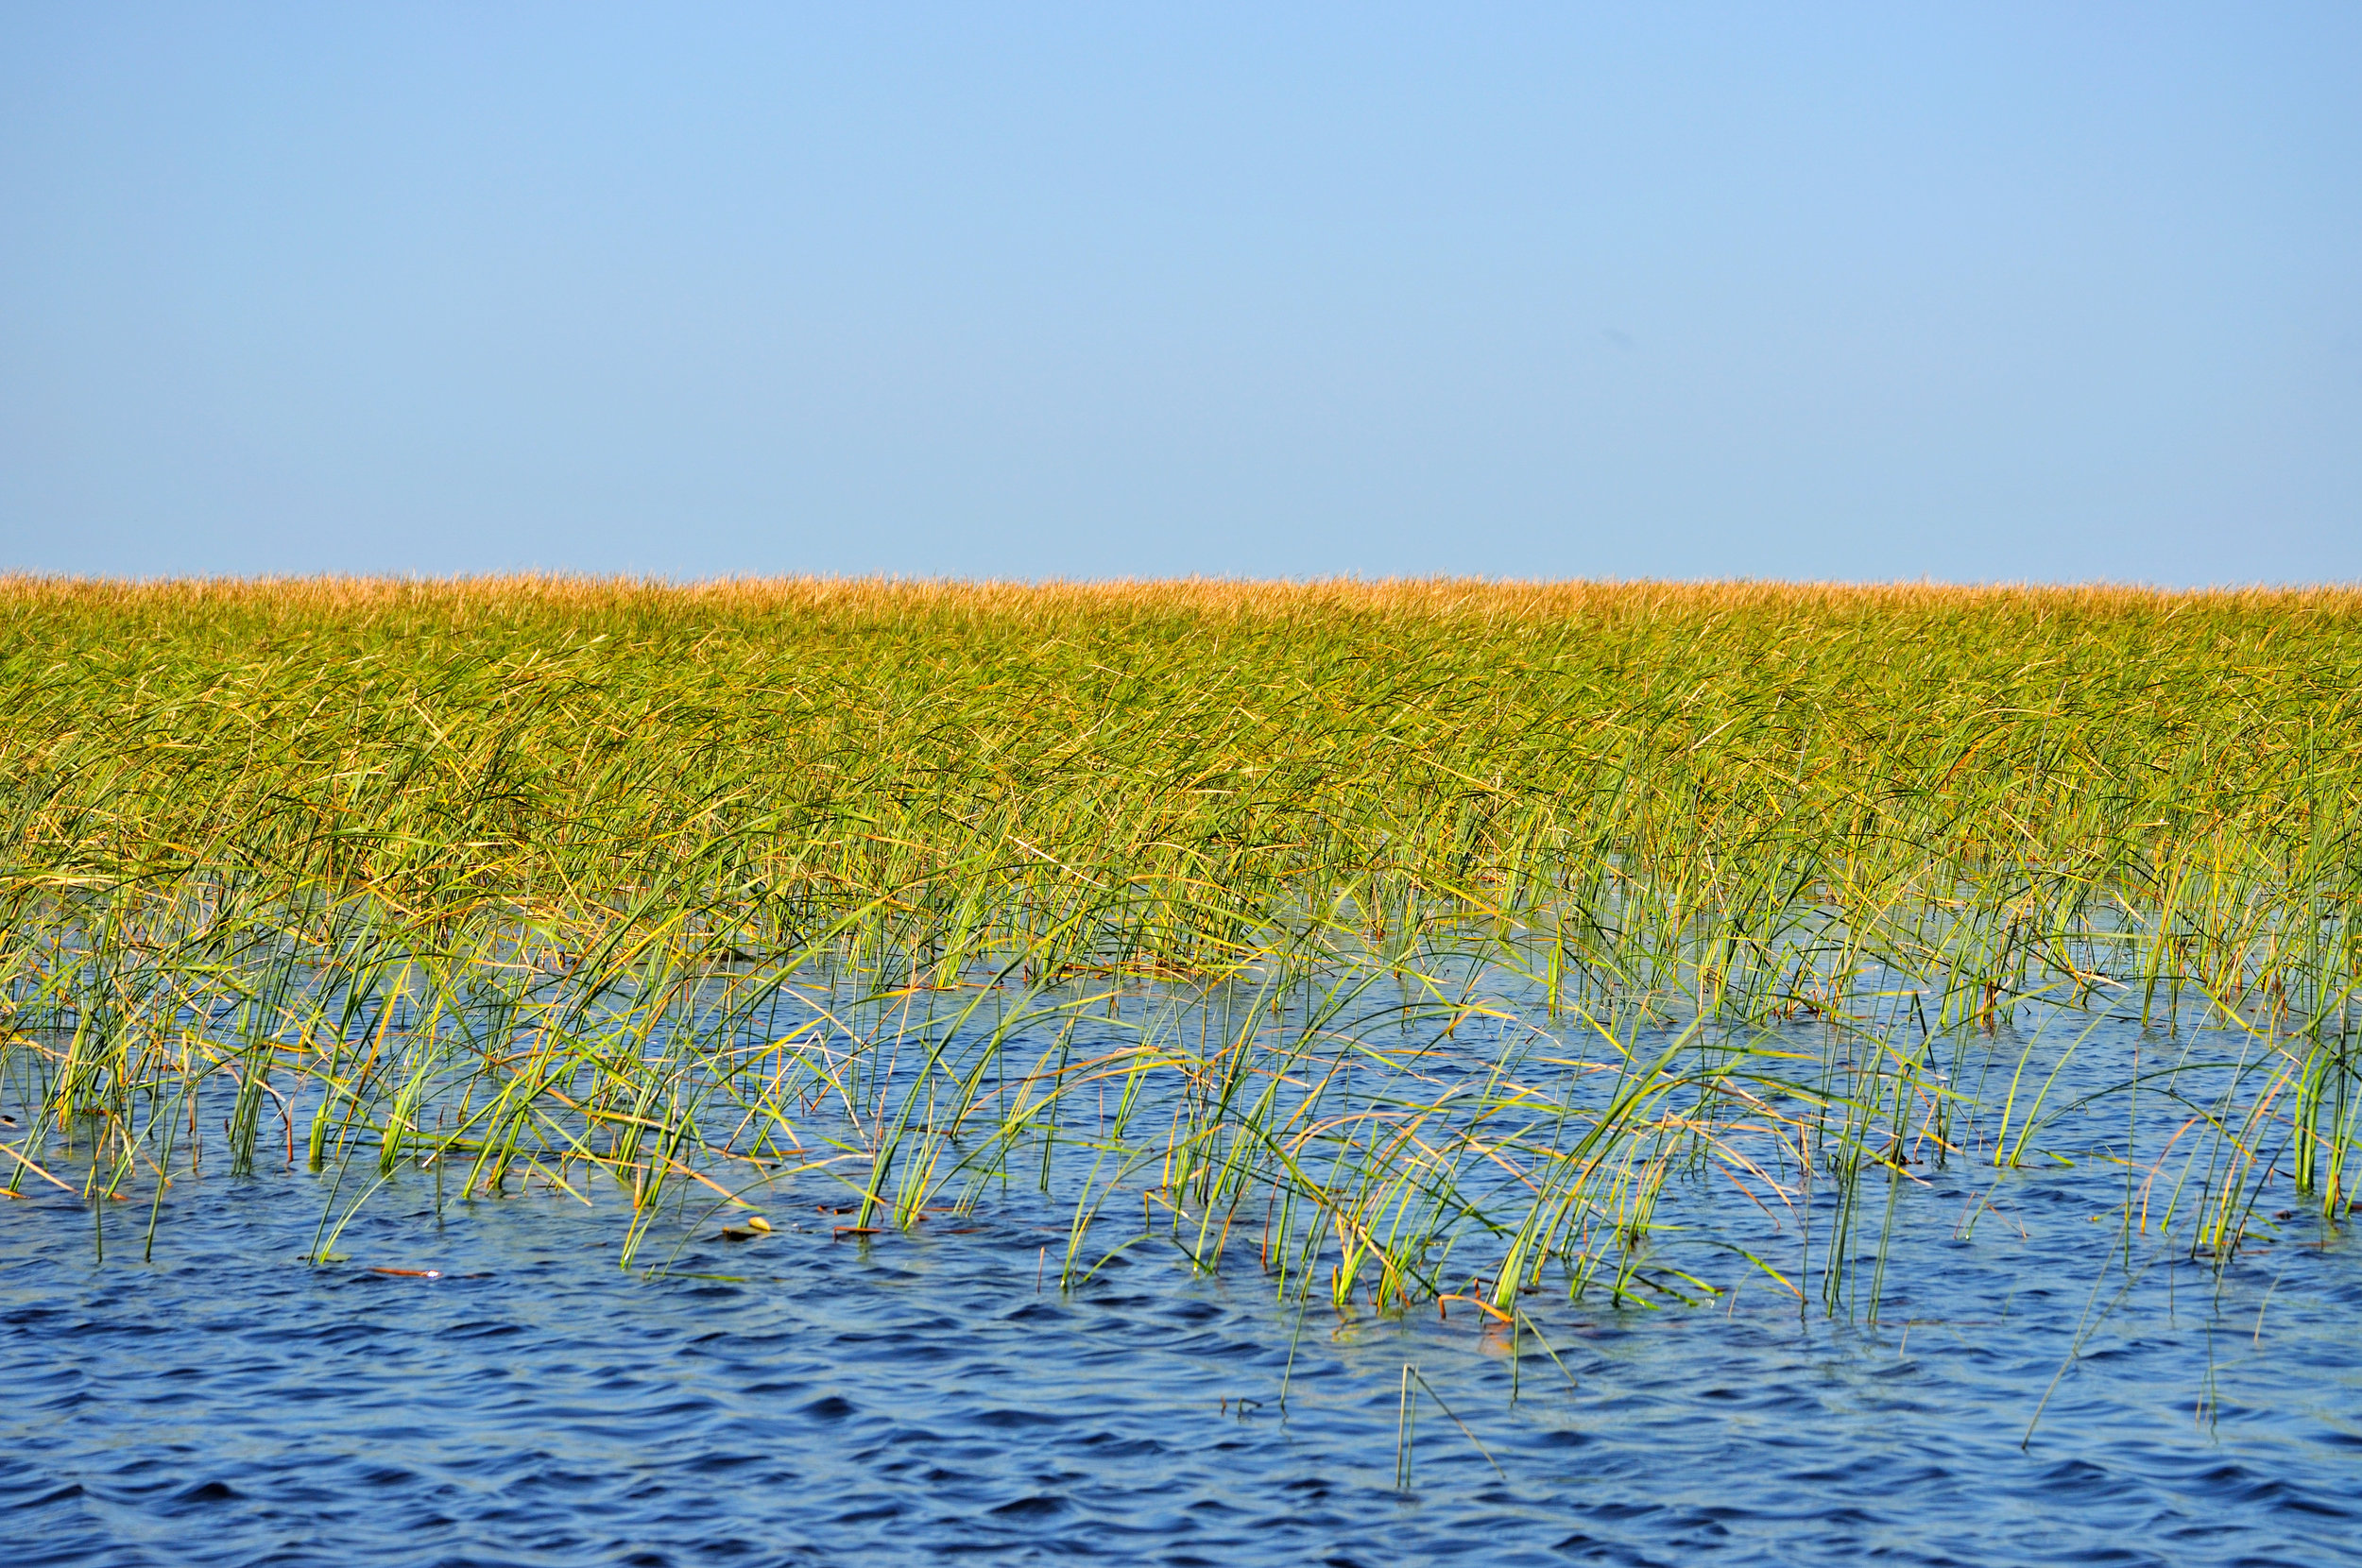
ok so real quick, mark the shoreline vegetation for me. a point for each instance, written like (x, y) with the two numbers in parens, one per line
(1405, 939)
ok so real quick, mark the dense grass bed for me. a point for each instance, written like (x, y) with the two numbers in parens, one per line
(1416, 933)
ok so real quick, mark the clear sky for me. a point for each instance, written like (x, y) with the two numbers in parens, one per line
(1976, 292)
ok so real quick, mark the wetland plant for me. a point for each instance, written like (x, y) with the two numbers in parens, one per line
(1407, 938)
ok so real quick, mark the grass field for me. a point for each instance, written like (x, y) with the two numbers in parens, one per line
(556, 879)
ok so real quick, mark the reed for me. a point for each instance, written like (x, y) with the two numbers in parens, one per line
(1419, 931)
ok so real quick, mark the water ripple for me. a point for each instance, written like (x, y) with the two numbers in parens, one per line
(910, 1398)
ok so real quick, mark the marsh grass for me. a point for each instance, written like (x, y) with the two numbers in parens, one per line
(1415, 934)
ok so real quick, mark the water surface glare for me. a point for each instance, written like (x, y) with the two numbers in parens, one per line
(913, 1396)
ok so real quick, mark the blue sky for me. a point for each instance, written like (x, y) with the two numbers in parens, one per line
(1977, 292)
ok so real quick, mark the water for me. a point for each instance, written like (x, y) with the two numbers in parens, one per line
(909, 1397)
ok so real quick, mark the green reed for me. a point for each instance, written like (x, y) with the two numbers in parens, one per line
(1419, 933)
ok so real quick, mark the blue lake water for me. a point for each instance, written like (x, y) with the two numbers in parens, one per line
(913, 1397)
